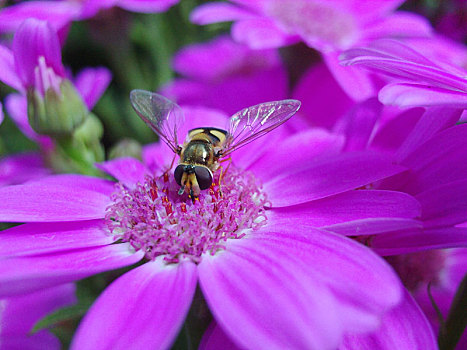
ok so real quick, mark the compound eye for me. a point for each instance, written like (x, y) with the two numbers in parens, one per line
(178, 173)
(204, 177)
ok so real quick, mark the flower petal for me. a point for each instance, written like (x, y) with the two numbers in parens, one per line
(218, 12)
(147, 6)
(417, 95)
(333, 175)
(45, 238)
(261, 33)
(373, 226)
(353, 80)
(19, 168)
(215, 338)
(47, 200)
(143, 309)
(364, 285)
(128, 171)
(348, 206)
(264, 298)
(22, 275)
(20, 313)
(8, 73)
(32, 40)
(403, 242)
(404, 327)
(91, 84)
(290, 154)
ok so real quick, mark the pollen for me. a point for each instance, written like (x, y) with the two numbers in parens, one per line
(154, 219)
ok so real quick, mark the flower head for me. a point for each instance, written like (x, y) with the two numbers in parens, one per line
(268, 270)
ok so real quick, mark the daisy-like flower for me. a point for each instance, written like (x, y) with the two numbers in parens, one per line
(417, 80)
(19, 314)
(226, 75)
(62, 12)
(327, 26)
(272, 277)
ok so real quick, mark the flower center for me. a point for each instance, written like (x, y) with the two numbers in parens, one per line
(153, 218)
(418, 269)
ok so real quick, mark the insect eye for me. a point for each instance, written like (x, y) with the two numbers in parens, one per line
(178, 173)
(204, 177)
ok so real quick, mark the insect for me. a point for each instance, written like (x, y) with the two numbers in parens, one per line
(204, 147)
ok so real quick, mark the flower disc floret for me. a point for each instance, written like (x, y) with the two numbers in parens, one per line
(153, 218)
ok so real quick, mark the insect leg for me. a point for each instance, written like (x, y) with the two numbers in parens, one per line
(223, 172)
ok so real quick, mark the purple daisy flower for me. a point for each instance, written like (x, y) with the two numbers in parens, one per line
(417, 80)
(19, 314)
(327, 26)
(226, 75)
(62, 12)
(271, 275)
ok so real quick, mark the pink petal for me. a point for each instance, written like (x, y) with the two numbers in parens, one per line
(92, 83)
(32, 40)
(218, 12)
(20, 168)
(415, 95)
(333, 175)
(404, 327)
(26, 274)
(440, 160)
(353, 80)
(434, 119)
(364, 10)
(399, 24)
(47, 201)
(57, 13)
(358, 124)
(215, 338)
(373, 226)
(403, 242)
(157, 156)
(20, 313)
(146, 6)
(290, 155)
(349, 206)
(264, 298)
(444, 205)
(323, 99)
(84, 182)
(143, 309)
(8, 73)
(128, 171)
(45, 238)
(261, 33)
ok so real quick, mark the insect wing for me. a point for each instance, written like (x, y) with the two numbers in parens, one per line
(256, 121)
(160, 114)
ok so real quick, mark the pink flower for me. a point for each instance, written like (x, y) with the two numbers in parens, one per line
(62, 12)
(272, 274)
(327, 26)
(19, 314)
(228, 76)
(20, 168)
(416, 79)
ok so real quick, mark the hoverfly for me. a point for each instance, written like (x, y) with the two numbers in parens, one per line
(205, 146)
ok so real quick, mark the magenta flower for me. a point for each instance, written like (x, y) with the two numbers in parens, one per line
(19, 314)
(20, 168)
(417, 80)
(327, 26)
(62, 12)
(34, 66)
(228, 76)
(271, 275)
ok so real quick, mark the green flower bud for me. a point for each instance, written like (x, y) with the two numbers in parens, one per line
(126, 148)
(56, 114)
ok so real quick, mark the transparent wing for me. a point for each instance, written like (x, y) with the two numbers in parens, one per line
(160, 114)
(256, 121)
